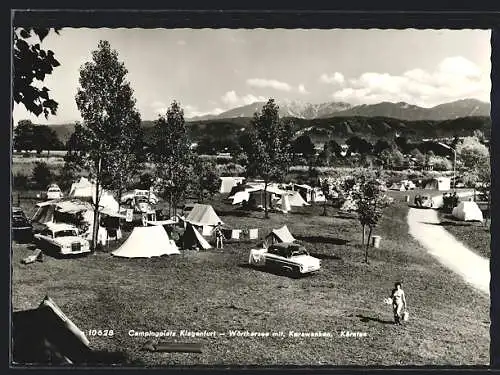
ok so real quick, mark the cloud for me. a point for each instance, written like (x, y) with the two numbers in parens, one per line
(302, 89)
(232, 99)
(453, 78)
(181, 42)
(334, 78)
(269, 83)
(157, 104)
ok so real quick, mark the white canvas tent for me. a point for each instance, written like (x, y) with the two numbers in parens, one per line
(85, 189)
(281, 235)
(204, 216)
(147, 242)
(228, 183)
(398, 186)
(468, 211)
(285, 203)
(294, 198)
(440, 183)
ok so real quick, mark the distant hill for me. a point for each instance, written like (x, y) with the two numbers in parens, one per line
(321, 129)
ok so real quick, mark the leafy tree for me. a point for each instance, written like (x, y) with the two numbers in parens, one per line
(303, 145)
(440, 163)
(41, 175)
(172, 156)
(205, 179)
(45, 138)
(269, 149)
(391, 157)
(24, 139)
(380, 146)
(333, 147)
(402, 144)
(358, 145)
(31, 63)
(106, 104)
(370, 203)
(472, 154)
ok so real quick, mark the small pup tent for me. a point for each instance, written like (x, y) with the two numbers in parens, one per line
(147, 242)
(280, 235)
(440, 183)
(228, 183)
(468, 211)
(192, 238)
(295, 199)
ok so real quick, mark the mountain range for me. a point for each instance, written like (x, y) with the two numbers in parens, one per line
(401, 110)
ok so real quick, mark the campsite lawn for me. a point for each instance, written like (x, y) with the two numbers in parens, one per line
(474, 235)
(215, 290)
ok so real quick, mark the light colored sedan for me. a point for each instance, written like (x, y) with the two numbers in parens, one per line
(54, 192)
(62, 239)
(290, 257)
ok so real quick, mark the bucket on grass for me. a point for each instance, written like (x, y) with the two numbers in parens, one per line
(376, 241)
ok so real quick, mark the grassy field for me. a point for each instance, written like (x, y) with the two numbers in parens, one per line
(475, 235)
(215, 290)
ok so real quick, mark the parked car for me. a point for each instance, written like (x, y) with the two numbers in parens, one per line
(54, 192)
(424, 201)
(290, 257)
(62, 239)
(22, 230)
(129, 197)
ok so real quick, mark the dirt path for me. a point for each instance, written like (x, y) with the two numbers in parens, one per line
(424, 227)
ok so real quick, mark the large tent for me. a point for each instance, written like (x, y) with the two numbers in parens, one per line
(84, 189)
(147, 242)
(440, 183)
(280, 235)
(228, 183)
(398, 186)
(468, 211)
(192, 238)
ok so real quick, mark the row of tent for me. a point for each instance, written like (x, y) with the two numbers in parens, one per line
(437, 183)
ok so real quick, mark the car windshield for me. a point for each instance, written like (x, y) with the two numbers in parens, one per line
(299, 251)
(54, 190)
(65, 233)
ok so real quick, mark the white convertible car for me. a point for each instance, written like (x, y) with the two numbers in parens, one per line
(62, 239)
(286, 256)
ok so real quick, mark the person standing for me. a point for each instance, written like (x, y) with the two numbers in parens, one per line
(398, 302)
(219, 236)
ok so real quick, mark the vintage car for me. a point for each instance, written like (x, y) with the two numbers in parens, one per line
(289, 257)
(22, 229)
(62, 239)
(54, 192)
(424, 201)
(130, 196)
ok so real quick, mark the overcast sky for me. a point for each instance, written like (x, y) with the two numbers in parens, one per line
(210, 71)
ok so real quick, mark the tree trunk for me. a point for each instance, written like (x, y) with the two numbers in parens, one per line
(95, 227)
(368, 245)
(170, 204)
(324, 207)
(363, 235)
(266, 214)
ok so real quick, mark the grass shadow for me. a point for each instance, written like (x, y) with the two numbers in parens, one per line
(272, 271)
(450, 223)
(366, 319)
(325, 256)
(321, 239)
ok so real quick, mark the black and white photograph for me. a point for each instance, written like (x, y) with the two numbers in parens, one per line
(250, 197)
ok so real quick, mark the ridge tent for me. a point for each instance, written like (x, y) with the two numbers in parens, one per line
(398, 186)
(317, 195)
(295, 199)
(192, 238)
(228, 183)
(440, 183)
(84, 189)
(280, 235)
(147, 242)
(203, 215)
(468, 211)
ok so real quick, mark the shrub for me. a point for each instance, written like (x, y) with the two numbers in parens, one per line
(20, 181)
(441, 163)
(41, 175)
